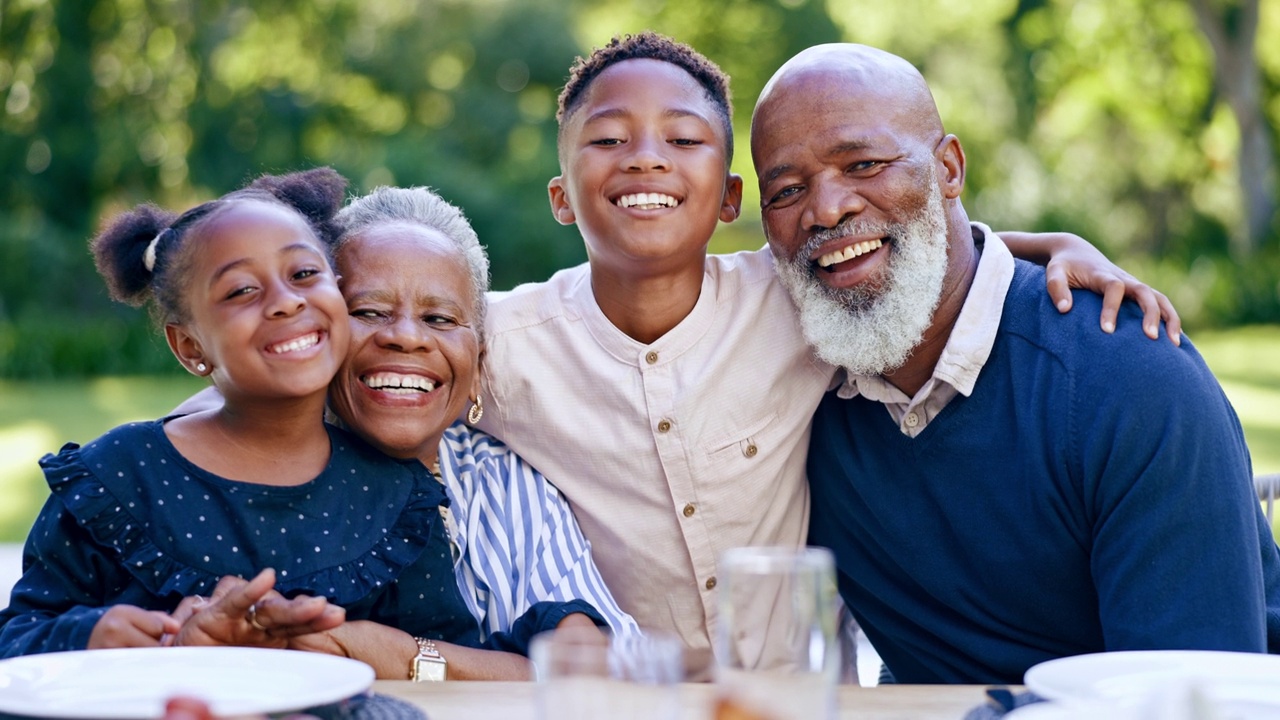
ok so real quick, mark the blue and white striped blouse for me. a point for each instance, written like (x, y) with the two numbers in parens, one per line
(521, 542)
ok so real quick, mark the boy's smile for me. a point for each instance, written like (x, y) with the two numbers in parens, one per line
(645, 173)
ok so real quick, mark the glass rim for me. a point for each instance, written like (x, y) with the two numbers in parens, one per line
(772, 558)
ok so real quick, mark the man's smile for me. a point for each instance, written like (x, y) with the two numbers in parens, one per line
(848, 252)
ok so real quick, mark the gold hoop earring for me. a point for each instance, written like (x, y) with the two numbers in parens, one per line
(476, 412)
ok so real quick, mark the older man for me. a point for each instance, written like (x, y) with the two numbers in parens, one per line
(1001, 484)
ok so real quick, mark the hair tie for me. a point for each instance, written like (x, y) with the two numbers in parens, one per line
(149, 256)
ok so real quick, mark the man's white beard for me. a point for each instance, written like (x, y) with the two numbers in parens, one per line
(873, 330)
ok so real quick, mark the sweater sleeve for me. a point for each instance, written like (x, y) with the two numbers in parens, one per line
(1165, 469)
(56, 603)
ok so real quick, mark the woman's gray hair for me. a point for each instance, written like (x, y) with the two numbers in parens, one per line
(420, 206)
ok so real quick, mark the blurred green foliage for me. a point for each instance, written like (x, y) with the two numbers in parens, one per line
(1095, 116)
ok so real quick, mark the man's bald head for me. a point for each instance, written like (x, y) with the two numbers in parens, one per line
(886, 83)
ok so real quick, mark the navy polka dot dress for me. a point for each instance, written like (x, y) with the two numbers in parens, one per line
(132, 521)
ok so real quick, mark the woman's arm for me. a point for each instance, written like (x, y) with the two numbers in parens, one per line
(1071, 261)
(390, 652)
(548, 561)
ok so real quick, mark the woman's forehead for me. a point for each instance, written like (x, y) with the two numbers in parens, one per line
(406, 257)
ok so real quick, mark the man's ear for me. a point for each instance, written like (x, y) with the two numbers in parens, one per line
(732, 205)
(560, 201)
(951, 166)
(186, 347)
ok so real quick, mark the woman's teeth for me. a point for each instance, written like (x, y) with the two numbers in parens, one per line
(848, 253)
(396, 383)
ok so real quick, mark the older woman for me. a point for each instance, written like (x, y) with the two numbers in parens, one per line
(414, 276)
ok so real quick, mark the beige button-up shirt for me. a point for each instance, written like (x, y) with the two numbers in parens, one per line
(963, 356)
(670, 453)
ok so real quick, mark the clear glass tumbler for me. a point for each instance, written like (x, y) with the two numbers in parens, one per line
(776, 650)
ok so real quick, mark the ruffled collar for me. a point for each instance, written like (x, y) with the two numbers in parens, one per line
(130, 488)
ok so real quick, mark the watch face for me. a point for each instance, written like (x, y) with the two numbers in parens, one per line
(430, 670)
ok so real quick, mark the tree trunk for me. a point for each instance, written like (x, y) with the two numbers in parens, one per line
(1232, 29)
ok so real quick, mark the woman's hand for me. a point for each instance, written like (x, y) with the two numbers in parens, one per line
(124, 626)
(1071, 261)
(251, 613)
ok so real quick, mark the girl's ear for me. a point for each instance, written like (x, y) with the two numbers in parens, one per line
(560, 201)
(186, 347)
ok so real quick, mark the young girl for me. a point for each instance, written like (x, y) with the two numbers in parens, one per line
(154, 512)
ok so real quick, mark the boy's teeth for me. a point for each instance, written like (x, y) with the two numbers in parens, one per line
(647, 201)
(397, 383)
(848, 253)
(296, 344)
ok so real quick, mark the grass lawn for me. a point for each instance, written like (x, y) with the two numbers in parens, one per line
(38, 417)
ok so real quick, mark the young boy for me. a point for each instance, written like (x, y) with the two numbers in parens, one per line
(667, 393)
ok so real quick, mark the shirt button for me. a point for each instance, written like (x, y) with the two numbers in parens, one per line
(651, 357)
(912, 420)
(711, 583)
(689, 510)
(664, 425)
(750, 450)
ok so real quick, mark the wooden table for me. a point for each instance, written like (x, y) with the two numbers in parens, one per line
(515, 701)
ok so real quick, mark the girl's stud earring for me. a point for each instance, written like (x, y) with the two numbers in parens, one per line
(201, 367)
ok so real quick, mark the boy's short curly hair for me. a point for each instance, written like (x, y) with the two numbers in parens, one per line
(649, 45)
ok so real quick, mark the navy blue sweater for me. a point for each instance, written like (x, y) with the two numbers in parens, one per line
(1094, 493)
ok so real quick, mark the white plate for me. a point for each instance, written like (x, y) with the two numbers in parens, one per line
(133, 684)
(1244, 684)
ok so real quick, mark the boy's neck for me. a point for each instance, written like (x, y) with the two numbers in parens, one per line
(646, 307)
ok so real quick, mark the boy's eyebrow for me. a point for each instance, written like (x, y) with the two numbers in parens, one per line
(621, 112)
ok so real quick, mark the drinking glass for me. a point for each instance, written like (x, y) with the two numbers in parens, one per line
(776, 649)
(582, 676)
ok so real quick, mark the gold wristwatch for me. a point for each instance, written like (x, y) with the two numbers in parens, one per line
(428, 665)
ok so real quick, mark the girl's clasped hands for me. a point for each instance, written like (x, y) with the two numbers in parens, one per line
(239, 612)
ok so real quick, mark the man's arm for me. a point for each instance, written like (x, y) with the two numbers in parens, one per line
(1178, 555)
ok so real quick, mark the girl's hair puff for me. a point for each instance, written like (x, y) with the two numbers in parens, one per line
(317, 194)
(143, 254)
(119, 249)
